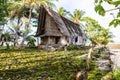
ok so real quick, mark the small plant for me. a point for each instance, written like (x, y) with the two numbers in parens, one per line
(31, 41)
(116, 74)
(72, 47)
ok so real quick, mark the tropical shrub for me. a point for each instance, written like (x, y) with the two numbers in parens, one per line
(116, 74)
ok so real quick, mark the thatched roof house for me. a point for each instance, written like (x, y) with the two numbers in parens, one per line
(56, 29)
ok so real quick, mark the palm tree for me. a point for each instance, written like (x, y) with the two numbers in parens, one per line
(19, 8)
(24, 8)
(16, 13)
(62, 11)
(34, 4)
(77, 16)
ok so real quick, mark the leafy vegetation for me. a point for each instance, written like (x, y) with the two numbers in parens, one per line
(34, 64)
(95, 73)
(3, 11)
(101, 10)
(22, 20)
(97, 34)
(77, 16)
(116, 74)
(22, 14)
(62, 11)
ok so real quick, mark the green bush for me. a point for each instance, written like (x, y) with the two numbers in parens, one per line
(96, 74)
(72, 47)
(116, 74)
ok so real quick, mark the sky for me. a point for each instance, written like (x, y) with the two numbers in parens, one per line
(88, 7)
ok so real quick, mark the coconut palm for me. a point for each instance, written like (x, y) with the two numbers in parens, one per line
(62, 11)
(16, 13)
(25, 7)
(77, 16)
(34, 4)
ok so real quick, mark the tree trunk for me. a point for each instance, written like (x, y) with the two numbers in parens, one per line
(27, 29)
(23, 40)
(16, 40)
(7, 46)
(17, 32)
(1, 41)
(38, 39)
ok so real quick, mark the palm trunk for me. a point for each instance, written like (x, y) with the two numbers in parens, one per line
(7, 46)
(27, 29)
(1, 40)
(16, 40)
(16, 35)
(1, 43)
(38, 41)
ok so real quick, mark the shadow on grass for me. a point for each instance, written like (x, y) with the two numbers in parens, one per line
(40, 65)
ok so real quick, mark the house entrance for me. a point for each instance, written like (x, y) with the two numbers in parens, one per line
(57, 39)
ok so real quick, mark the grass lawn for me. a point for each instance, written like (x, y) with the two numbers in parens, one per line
(32, 64)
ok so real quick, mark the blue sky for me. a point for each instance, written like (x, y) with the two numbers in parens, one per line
(88, 7)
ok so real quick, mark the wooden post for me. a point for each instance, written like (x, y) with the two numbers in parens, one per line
(89, 58)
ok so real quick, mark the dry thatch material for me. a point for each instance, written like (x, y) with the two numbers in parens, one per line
(52, 24)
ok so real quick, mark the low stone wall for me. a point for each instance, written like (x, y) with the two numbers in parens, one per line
(104, 63)
(115, 58)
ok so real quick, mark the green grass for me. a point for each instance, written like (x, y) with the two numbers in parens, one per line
(116, 74)
(32, 64)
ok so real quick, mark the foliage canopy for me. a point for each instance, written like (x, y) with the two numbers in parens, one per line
(101, 10)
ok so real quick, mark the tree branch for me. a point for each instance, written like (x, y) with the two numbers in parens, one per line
(112, 9)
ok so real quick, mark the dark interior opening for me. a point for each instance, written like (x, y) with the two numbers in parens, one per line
(57, 39)
(76, 39)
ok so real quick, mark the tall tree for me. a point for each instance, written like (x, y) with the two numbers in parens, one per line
(77, 16)
(62, 11)
(3, 14)
(24, 8)
(3, 11)
(97, 34)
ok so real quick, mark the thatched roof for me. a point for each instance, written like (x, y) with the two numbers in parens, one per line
(66, 27)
